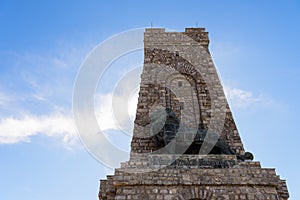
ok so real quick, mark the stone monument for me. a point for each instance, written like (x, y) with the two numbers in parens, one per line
(185, 143)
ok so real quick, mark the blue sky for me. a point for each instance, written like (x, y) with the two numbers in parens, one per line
(254, 44)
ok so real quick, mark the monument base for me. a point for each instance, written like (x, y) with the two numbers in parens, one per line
(173, 177)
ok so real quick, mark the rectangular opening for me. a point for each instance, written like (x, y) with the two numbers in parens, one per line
(181, 105)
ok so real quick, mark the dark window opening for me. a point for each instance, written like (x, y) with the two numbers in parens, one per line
(181, 105)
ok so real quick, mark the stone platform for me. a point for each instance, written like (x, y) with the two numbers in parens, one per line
(193, 177)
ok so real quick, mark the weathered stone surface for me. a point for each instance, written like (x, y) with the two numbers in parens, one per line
(152, 173)
(165, 50)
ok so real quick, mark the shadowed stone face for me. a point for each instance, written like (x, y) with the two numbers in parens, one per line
(165, 125)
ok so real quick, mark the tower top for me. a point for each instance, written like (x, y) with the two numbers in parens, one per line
(158, 36)
(187, 30)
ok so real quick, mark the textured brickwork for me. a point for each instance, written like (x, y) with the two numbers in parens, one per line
(179, 74)
(158, 54)
(242, 180)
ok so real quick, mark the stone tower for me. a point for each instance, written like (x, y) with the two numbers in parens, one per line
(185, 142)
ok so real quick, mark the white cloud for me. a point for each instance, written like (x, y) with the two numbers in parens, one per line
(241, 98)
(113, 115)
(104, 111)
(14, 130)
(117, 109)
(43, 75)
(40, 82)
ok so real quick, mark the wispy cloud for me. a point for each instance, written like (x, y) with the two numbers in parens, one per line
(240, 98)
(112, 115)
(58, 125)
(51, 75)
(38, 94)
(43, 84)
(42, 75)
(104, 112)
(117, 109)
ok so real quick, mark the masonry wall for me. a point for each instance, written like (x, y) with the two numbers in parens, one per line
(245, 180)
(169, 79)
